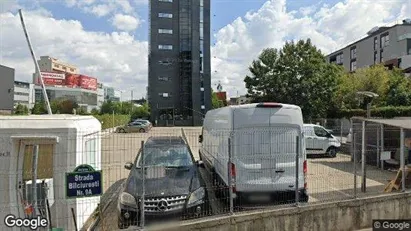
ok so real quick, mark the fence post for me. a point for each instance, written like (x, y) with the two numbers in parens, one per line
(402, 162)
(143, 176)
(297, 156)
(230, 174)
(378, 148)
(363, 159)
(355, 164)
(34, 178)
(382, 144)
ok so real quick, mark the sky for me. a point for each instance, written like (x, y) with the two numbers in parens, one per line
(108, 39)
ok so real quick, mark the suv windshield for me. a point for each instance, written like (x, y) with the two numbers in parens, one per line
(174, 156)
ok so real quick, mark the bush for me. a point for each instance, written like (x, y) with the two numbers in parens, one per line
(106, 120)
(383, 112)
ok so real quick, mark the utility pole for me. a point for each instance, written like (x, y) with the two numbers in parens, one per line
(46, 98)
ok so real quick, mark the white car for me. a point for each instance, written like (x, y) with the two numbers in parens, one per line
(319, 141)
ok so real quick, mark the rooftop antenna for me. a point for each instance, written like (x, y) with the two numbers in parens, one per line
(46, 98)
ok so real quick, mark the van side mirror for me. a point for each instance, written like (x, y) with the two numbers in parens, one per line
(200, 138)
(329, 135)
(128, 166)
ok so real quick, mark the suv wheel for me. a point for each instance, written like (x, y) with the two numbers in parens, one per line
(142, 130)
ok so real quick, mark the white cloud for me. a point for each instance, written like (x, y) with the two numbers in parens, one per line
(102, 8)
(116, 59)
(329, 27)
(125, 22)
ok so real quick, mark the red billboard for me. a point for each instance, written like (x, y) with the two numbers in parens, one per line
(72, 80)
(88, 82)
(82, 81)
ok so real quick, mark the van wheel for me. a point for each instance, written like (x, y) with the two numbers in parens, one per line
(332, 152)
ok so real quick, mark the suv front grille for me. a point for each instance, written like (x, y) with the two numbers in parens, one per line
(164, 204)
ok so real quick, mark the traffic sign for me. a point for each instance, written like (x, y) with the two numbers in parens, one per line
(84, 181)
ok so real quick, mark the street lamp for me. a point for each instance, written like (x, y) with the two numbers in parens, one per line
(370, 96)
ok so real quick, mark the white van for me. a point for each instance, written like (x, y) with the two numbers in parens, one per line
(319, 141)
(264, 150)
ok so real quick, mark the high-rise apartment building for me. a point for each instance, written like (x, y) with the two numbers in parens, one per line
(389, 45)
(179, 81)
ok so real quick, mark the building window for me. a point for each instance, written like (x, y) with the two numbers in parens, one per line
(165, 15)
(201, 30)
(165, 0)
(375, 57)
(164, 95)
(340, 58)
(165, 31)
(409, 46)
(165, 47)
(353, 65)
(163, 78)
(64, 68)
(353, 52)
(375, 43)
(381, 56)
(385, 40)
(201, 14)
(165, 63)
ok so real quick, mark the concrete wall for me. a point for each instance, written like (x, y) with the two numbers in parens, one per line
(345, 215)
(6, 88)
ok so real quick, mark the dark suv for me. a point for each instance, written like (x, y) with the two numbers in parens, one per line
(174, 187)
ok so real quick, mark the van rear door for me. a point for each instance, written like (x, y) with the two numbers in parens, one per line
(265, 148)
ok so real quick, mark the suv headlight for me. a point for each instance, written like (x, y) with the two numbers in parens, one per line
(128, 199)
(197, 195)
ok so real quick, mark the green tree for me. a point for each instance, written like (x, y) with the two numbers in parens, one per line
(107, 107)
(95, 111)
(296, 74)
(39, 108)
(55, 106)
(21, 110)
(215, 101)
(392, 87)
(399, 89)
(67, 106)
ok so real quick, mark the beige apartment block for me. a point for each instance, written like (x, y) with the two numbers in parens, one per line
(50, 64)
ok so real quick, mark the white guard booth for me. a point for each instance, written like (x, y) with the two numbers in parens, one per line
(64, 142)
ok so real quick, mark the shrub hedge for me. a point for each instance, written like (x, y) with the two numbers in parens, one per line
(383, 112)
(106, 120)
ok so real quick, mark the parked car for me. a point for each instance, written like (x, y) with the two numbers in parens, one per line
(144, 122)
(173, 184)
(263, 152)
(134, 127)
(319, 141)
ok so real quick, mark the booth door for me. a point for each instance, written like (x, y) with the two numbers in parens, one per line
(43, 179)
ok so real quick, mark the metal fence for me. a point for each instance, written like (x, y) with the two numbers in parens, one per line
(117, 180)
